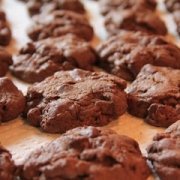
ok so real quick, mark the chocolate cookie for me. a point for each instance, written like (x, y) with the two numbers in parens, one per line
(155, 95)
(75, 98)
(12, 101)
(48, 6)
(7, 167)
(5, 61)
(164, 153)
(107, 6)
(59, 23)
(5, 32)
(87, 153)
(41, 59)
(134, 20)
(125, 54)
(172, 5)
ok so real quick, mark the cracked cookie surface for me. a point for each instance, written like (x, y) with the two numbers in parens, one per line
(87, 153)
(164, 153)
(137, 19)
(125, 54)
(107, 6)
(48, 6)
(38, 60)
(155, 95)
(75, 98)
(59, 23)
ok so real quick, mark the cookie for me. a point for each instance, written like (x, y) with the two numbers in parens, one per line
(164, 153)
(125, 54)
(5, 61)
(172, 5)
(48, 6)
(59, 23)
(5, 32)
(12, 101)
(38, 60)
(155, 95)
(87, 153)
(134, 20)
(75, 98)
(7, 167)
(107, 6)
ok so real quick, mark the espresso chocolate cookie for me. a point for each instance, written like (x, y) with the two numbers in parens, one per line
(5, 61)
(87, 153)
(164, 153)
(134, 20)
(12, 101)
(107, 6)
(7, 167)
(155, 95)
(59, 23)
(75, 98)
(172, 5)
(125, 54)
(5, 32)
(48, 6)
(41, 59)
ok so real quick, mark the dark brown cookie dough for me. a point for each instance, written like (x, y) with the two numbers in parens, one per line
(59, 23)
(48, 6)
(12, 101)
(7, 167)
(164, 153)
(155, 95)
(75, 98)
(87, 153)
(125, 54)
(5, 61)
(107, 6)
(172, 5)
(5, 32)
(134, 20)
(41, 59)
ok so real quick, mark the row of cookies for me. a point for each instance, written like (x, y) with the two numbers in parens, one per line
(123, 55)
(96, 153)
(61, 91)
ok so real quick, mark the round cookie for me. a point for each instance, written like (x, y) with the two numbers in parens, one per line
(5, 61)
(41, 59)
(155, 95)
(107, 6)
(136, 19)
(69, 99)
(5, 32)
(59, 23)
(12, 101)
(87, 153)
(164, 153)
(125, 54)
(7, 167)
(48, 6)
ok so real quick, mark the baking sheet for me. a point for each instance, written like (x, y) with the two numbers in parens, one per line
(21, 138)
